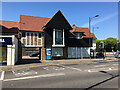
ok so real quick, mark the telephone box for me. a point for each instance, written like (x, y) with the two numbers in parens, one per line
(48, 54)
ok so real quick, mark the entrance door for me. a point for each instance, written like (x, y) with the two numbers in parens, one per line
(3, 55)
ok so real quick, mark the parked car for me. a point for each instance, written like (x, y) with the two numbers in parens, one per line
(100, 55)
(35, 54)
(117, 55)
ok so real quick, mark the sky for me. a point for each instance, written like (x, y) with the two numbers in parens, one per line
(77, 13)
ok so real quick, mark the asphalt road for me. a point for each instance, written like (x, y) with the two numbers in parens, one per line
(87, 75)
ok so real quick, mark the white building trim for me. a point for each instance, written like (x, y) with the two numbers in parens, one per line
(54, 45)
(26, 38)
(53, 36)
(30, 38)
(37, 37)
(41, 38)
(63, 37)
(33, 38)
(58, 45)
(33, 45)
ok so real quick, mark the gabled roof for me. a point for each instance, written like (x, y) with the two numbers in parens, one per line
(32, 23)
(58, 21)
(83, 30)
(9, 24)
(9, 27)
(93, 35)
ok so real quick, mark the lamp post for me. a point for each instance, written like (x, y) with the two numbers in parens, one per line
(90, 18)
(94, 41)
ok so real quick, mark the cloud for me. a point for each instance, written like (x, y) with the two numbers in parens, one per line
(100, 20)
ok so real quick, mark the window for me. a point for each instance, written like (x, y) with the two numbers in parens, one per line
(78, 35)
(58, 37)
(57, 51)
(39, 36)
(23, 34)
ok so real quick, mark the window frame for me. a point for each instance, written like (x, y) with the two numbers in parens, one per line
(53, 52)
(79, 35)
(58, 45)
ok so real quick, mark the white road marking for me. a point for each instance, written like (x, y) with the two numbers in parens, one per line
(115, 64)
(24, 73)
(100, 66)
(46, 68)
(72, 68)
(13, 72)
(89, 70)
(2, 75)
(31, 77)
(97, 70)
(36, 72)
(59, 68)
(110, 68)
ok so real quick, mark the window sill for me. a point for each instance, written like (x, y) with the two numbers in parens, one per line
(58, 45)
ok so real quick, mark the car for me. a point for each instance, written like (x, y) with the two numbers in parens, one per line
(100, 55)
(117, 55)
(35, 54)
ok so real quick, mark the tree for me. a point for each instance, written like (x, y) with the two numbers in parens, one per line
(109, 44)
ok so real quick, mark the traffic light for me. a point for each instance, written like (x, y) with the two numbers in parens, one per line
(101, 45)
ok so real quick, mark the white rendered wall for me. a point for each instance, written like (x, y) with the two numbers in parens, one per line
(94, 44)
(9, 54)
(12, 52)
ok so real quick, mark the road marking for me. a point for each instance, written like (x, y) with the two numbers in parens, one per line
(2, 75)
(100, 66)
(13, 72)
(31, 77)
(46, 68)
(97, 70)
(110, 68)
(23, 73)
(72, 68)
(115, 64)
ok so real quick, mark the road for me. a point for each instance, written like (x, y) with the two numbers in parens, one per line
(87, 75)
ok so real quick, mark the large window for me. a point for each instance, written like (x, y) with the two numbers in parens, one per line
(58, 37)
(57, 51)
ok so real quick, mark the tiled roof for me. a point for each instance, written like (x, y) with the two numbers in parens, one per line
(32, 23)
(82, 30)
(93, 35)
(9, 24)
(9, 27)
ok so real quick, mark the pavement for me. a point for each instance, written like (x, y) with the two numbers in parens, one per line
(55, 62)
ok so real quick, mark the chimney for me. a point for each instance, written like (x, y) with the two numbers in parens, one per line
(73, 25)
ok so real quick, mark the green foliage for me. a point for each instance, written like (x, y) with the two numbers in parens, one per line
(118, 46)
(109, 44)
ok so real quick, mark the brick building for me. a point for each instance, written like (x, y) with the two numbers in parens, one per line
(53, 37)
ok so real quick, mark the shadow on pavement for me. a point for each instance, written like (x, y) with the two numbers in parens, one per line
(28, 61)
(101, 82)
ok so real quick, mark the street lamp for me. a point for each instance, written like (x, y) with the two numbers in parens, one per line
(90, 18)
